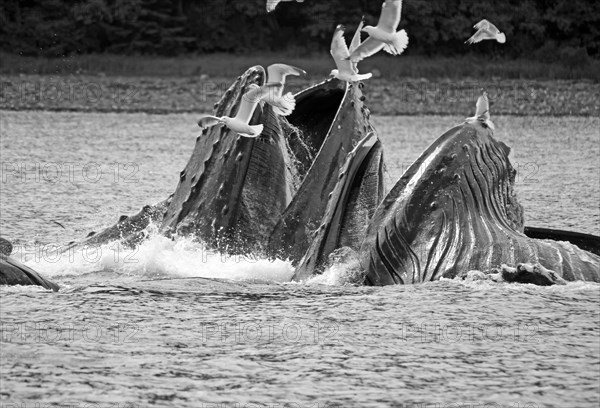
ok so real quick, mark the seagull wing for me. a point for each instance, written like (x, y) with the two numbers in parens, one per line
(487, 26)
(271, 4)
(278, 72)
(482, 24)
(390, 15)
(339, 51)
(253, 97)
(208, 121)
(480, 35)
(356, 40)
(367, 48)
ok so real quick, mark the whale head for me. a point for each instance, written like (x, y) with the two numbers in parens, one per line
(454, 200)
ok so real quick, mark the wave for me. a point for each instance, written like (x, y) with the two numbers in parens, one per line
(162, 257)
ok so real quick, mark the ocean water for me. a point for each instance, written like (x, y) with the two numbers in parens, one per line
(173, 324)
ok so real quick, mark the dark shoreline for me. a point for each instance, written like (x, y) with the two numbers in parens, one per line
(407, 96)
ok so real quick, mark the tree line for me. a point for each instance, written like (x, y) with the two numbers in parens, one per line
(547, 30)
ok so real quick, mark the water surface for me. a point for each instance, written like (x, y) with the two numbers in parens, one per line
(158, 327)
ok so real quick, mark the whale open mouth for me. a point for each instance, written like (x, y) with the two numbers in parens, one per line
(311, 120)
(265, 195)
(262, 195)
(333, 115)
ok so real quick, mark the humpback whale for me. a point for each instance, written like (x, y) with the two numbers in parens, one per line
(311, 185)
(455, 209)
(260, 195)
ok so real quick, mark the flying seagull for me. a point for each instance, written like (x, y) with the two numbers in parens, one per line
(271, 4)
(241, 122)
(384, 35)
(282, 104)
(486, 31)
(482, 111)
(346, 69)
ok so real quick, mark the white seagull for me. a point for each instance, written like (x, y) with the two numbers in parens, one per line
(282, 104)
(384, 35)
(346, 69)
(271, 4)
(486, 31)
(241, 122)
(482, 111)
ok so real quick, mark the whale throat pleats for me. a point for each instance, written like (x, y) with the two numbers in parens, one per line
(455, 210)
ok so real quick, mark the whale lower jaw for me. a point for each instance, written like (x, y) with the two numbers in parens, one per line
(350, 207)
(455, 210)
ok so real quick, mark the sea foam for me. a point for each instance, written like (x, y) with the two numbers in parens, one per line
(161, 257)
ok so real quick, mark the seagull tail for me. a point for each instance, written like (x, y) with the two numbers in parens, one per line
(398, 44)
(401, 41)
(256, 131)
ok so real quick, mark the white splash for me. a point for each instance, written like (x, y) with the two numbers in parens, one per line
(161, 257)
(339, 274)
